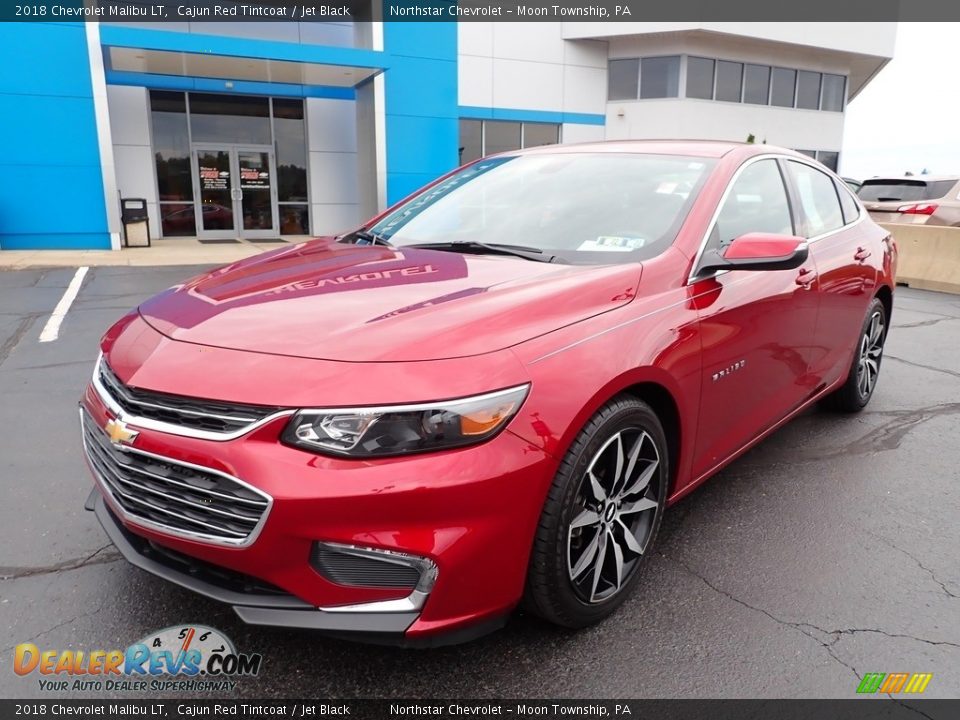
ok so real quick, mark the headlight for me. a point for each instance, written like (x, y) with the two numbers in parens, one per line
(403, 429)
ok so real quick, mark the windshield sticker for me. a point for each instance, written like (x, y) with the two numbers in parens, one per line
(612, 243)
(667, 188)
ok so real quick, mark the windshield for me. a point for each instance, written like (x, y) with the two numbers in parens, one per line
(880, 190)
(582, 208)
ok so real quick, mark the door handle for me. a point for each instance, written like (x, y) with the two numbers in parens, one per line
(805, 278)
(861, 254)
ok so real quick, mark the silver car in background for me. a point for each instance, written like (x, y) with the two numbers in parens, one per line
(917, 200)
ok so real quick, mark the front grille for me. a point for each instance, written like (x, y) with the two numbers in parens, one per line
(363, 568)
(180, 497)
(210, 415)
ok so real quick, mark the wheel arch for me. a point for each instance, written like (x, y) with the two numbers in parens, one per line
(661, 391)
(885, 295)
(659, 398)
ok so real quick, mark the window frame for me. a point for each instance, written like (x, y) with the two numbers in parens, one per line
(842, 188)
(781, 160)
(746, 68)
(713, 237)
(636, 95)
(680, 76)
(716, 80)
(801, 216)
(793, 94)
(685, 68)
(796, 95)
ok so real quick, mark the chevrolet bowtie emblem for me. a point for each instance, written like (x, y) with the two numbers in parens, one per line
(119, 433)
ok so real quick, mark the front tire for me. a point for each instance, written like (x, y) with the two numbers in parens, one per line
(601, 516)
(861, 381)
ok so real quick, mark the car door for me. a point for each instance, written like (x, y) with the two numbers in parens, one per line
(756, 326)
(844, 254)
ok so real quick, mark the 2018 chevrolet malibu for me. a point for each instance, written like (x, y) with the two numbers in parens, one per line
(488, 394)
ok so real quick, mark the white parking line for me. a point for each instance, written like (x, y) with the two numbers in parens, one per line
(51, 331)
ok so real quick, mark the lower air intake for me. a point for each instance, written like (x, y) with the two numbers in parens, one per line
(367, 567)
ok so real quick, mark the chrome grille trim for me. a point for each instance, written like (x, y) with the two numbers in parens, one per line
(185, 517)
(107, 396)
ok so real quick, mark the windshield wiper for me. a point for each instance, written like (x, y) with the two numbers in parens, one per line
(370, 237)
(521, 251)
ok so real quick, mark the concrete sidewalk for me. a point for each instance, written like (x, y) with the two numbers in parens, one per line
(164, 251)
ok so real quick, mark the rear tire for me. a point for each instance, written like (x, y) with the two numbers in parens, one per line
(601, 516)
(861, 381)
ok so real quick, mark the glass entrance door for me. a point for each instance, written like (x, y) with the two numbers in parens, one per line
(236, 192)
(215, 186)
(257, 192)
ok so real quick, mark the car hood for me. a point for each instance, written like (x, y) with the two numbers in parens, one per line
(334, 301)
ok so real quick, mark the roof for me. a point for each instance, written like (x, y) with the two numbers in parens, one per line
(695, 148)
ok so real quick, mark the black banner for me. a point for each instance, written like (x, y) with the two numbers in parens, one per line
(885, 707)
(477, 10)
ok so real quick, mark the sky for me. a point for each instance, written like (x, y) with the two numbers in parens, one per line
(908, 116)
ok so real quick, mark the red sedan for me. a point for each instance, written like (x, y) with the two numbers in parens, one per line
(490, 393)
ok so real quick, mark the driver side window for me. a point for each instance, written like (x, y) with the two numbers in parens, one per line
(757, 203)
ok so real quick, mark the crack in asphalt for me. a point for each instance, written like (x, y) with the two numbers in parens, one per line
(921, 365)
(29, 368)
(94, 558)
(23, 327)
(904, 705)
(931, 573)
(927, 323)
(808, 629)
(799, 627)
(59, 625)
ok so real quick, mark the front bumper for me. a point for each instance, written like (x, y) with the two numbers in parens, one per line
(256, 606)
(472, 512)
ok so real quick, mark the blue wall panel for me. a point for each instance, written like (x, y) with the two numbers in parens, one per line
(51, 186)
(420, 104)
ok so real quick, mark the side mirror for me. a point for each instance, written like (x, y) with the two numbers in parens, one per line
(757, 251)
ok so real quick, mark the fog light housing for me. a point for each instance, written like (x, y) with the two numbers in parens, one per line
(356, 566)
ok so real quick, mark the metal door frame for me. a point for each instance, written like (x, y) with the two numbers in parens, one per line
(236, 193)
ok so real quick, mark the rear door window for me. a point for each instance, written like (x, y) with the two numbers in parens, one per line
(849, 206)
(818, 199)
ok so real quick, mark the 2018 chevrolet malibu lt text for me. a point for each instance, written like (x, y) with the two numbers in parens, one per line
(490, 393)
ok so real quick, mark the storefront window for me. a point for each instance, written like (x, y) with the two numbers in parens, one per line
(177, 220)
(535, 134)
(291, 144)
(171, 145)
(294, 219)
(471, 140)
(230, 119)
(501, 136)
(226, 121)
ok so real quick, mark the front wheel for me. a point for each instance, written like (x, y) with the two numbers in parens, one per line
(601, 516)
(861, 381)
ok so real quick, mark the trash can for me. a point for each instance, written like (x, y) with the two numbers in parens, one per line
(136, 226)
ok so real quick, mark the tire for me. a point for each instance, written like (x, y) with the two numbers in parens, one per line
(620, 514)
(858, 388)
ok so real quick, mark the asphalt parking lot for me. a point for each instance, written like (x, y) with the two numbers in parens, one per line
(829, 551)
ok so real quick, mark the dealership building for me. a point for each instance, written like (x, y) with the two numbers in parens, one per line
(266, 130)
